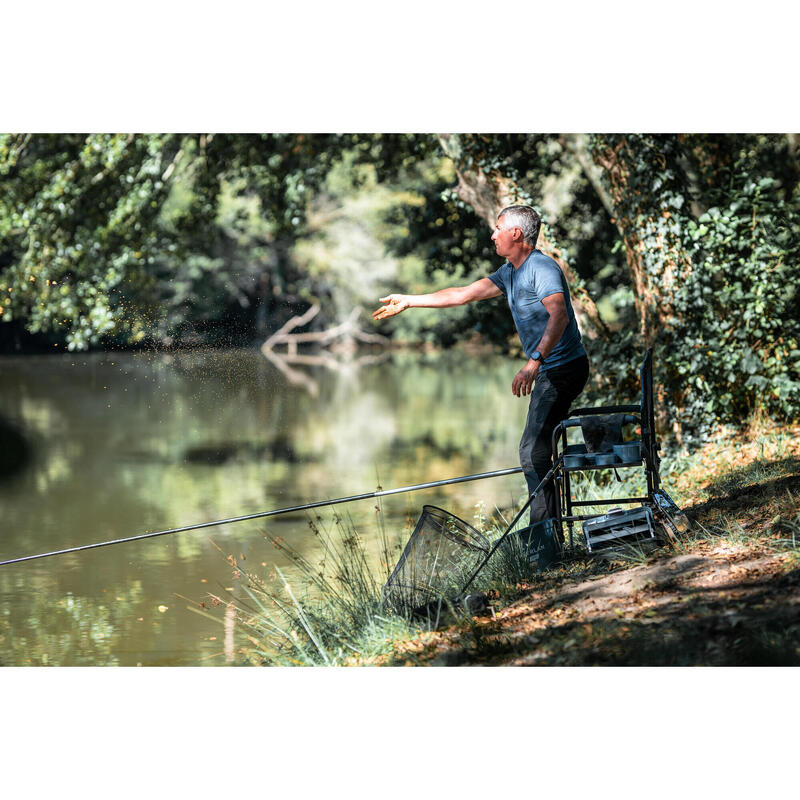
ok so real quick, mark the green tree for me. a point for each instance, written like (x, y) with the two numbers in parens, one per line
(131, 237)
(77, 229)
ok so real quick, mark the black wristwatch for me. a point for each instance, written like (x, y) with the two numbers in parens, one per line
(537, 356)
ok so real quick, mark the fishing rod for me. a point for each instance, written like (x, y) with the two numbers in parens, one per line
(260, 515)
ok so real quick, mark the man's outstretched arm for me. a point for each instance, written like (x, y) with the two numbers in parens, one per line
(482, 289)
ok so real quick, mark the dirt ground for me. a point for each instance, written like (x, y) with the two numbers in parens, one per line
(714, 605)
(723, 598)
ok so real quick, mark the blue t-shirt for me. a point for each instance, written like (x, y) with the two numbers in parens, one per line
(525, 288)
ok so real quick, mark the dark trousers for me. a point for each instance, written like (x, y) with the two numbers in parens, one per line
(551, 398)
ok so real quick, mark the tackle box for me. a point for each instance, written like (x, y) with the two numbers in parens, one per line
(619, 527)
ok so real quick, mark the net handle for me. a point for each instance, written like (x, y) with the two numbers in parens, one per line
(497, 544)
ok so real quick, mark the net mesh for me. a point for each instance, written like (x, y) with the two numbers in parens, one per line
(440, 556)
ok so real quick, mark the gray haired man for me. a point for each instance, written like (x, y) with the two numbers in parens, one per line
(538, 296)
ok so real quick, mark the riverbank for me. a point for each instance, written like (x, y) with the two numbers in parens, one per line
(727, 594)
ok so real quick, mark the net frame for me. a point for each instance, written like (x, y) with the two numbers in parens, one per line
(440, 554)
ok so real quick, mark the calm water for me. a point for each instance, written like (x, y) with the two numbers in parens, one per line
(125, 444)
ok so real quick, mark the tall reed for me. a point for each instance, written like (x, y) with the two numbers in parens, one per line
(327, 611)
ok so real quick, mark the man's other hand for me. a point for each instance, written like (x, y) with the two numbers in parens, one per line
(394, 304)
(523, 381)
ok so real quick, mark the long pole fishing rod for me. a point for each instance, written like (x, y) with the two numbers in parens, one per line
(304, 507)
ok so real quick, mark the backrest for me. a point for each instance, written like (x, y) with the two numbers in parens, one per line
(646, 377)
(648, 411)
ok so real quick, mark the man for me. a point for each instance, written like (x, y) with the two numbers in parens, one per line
(539, 300)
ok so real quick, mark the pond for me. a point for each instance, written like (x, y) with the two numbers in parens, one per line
(128, 443)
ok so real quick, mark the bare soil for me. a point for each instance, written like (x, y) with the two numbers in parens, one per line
(727, 595)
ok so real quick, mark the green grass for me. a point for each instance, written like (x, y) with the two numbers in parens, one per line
(329, 612)
(787, 526)
(337, 614)
(756, 472)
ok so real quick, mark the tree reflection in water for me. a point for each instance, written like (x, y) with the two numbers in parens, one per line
(120, 441)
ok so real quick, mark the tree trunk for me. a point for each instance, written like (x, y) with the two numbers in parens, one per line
(648, 191)
(488, 193)
(576, 144)
(646, 196)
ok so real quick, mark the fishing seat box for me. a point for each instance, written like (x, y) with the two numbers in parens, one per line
(610, 531)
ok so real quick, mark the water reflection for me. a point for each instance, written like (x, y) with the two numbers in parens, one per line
(127, 443)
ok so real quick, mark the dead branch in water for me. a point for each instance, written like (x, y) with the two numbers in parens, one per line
(342, 334)
(344, 330)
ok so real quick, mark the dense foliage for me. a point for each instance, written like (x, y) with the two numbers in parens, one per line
(743, 301)
(118, 239)
(711, 227)
(76, 220)
(687, 243)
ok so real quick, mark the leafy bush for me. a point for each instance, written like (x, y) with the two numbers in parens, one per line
(711, 227)
(741, 306)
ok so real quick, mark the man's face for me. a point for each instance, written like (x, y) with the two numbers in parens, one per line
(504, 237)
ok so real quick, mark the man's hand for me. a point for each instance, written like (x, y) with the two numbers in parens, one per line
(394, 304)
(523, 382)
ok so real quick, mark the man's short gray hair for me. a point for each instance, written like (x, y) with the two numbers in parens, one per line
(526, 219)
